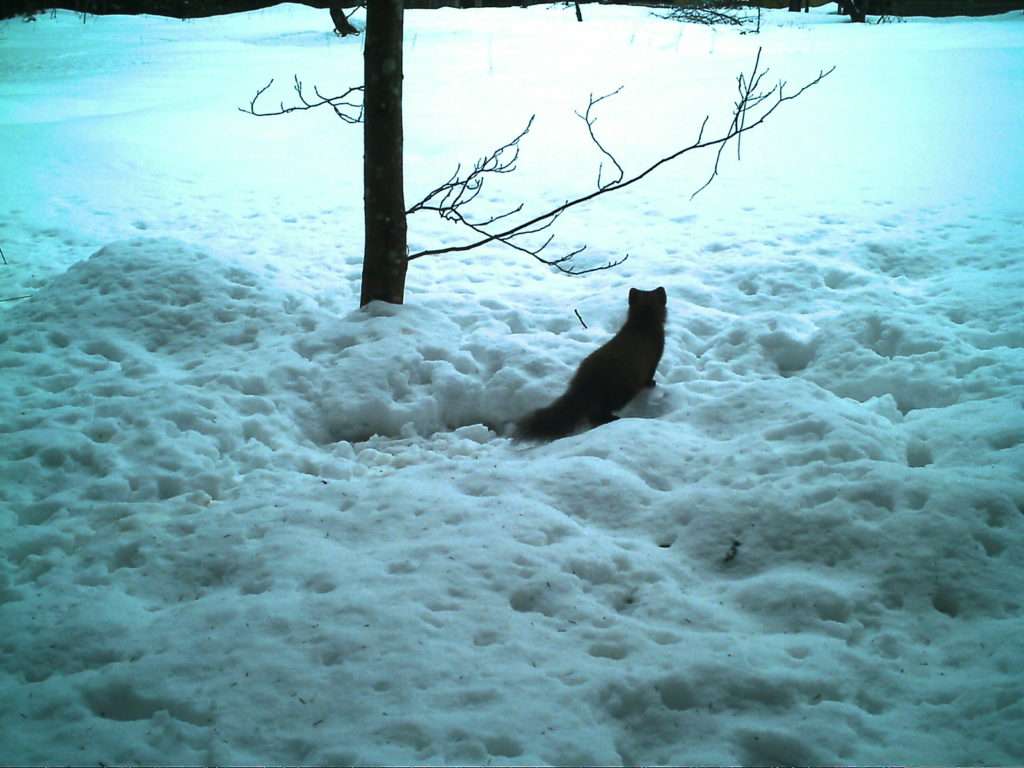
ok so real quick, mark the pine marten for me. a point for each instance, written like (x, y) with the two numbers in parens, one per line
(610, 376)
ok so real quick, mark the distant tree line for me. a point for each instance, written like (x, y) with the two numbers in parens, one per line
(190, 9)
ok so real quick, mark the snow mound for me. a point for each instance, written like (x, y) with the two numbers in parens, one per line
(152, 369)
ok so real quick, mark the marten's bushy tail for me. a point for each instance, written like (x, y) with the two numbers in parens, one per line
(556, 420)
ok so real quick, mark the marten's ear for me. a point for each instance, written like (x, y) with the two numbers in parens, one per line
(633, 293)
(660, 293)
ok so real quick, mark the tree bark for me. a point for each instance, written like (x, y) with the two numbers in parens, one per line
(341, 23)
(385, 252)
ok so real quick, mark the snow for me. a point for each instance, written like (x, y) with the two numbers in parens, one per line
(243, 521)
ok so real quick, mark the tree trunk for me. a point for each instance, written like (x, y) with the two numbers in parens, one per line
(858, 10)
(341, 23)
(385, 252)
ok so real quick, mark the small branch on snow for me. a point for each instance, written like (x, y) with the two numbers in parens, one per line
(734, 549)
(712, 12)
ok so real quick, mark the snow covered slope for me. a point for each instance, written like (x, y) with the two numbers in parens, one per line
(243, 521)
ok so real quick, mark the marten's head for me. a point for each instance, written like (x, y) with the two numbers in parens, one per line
(647, 306)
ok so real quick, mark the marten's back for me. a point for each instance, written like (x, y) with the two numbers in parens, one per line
(616, 372)
(610, 376)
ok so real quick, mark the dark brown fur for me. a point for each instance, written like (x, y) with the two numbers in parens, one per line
(610, 376)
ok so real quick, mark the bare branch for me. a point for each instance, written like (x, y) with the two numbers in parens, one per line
(590, 129)
(561, 263)
(749, 99)
(574, 272)
(450, 198)
(342, 108)
(446, 199)
(501, 216)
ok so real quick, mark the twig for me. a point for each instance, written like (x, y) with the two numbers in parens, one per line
(445, 199)
(558, 263)
(2, 257)
(590, 129)
(337, 103)
(577, 313)
(451, 198)
(749, 98)
(17, 298)
(734, 549)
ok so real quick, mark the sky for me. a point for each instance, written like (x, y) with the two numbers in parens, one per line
(244, 521)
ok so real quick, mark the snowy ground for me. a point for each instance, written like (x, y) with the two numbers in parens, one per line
(243, 521)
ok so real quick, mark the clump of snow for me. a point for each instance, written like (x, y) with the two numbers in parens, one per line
(244, 521)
